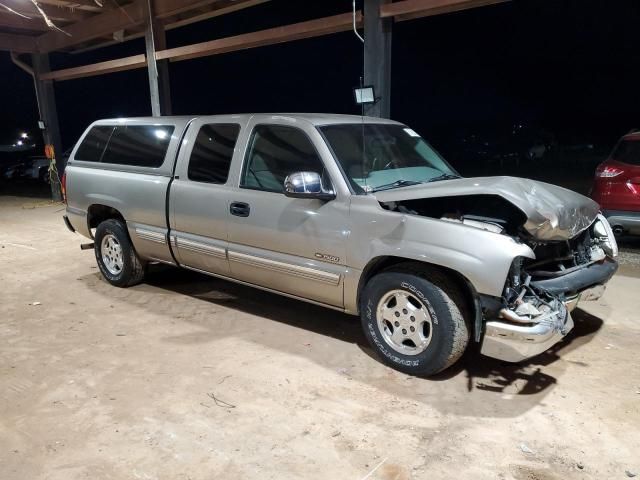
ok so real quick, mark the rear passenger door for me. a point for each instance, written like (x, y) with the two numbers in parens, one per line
(199, 195)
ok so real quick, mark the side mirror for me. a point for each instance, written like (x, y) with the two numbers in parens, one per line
(306, 185)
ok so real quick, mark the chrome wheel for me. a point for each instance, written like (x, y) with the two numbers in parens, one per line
(111, 252)
(404, 322)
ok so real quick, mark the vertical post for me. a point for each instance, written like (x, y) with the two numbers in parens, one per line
(377, 57)
(159, 87)
(48, 114)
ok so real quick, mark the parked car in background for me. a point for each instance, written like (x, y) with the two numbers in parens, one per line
(11, 170)
(617, 185)
(35, 167)
(357, 214)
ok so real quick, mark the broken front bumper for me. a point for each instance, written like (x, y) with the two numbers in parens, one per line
(514, 343)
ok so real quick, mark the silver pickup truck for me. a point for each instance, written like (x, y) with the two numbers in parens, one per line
(356, 214)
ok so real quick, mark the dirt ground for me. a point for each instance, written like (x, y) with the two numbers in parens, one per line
(189, 377)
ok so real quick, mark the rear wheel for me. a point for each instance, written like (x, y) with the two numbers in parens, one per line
(413, 318)
(118, 261)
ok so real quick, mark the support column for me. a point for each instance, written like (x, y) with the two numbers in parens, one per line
(377, 57)
(159, 87)
(45, 96)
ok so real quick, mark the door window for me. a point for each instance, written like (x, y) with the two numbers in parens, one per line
(212, 153)
(276, 151)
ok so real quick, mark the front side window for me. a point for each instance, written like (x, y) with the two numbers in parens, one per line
(138, 145)
(276, 151)
(382, 156)
(212, 153)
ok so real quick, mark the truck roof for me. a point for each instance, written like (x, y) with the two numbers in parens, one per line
(314, 118)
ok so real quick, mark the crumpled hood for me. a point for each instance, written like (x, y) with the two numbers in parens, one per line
(553, 213)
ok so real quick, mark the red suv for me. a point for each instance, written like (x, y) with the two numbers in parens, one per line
(617, 185)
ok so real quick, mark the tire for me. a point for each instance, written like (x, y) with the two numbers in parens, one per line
(431, 333)
(118, 261)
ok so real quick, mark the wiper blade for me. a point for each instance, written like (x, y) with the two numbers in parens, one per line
(397, 183)
(444, 176)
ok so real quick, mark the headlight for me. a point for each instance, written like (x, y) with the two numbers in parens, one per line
(602, 231)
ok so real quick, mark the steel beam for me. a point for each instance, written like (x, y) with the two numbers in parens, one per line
(377, 57)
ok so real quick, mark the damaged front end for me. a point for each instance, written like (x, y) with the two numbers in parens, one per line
(572, 248)
(534, 312)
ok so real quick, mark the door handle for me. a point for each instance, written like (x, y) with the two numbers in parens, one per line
(239, 209)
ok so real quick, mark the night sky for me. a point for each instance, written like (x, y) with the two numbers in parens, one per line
(569, 66)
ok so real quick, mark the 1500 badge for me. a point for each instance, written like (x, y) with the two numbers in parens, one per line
(328, 258)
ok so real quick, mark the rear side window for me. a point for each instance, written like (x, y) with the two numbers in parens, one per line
(212, 153)
(94, 143)
(277, 151)
(628, 151)
(138, 145)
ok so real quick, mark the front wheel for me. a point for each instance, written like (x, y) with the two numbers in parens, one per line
(118, 261)
(413, 319)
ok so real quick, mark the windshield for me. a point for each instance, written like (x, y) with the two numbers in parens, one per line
(379, 157)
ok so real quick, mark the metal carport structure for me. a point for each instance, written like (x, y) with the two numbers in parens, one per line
(82, 25)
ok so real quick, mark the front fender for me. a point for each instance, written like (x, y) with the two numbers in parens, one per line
(482, 257)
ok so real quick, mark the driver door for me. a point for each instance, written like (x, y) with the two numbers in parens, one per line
(291, 245)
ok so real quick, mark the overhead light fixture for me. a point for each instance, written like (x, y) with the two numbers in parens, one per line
(364, 95)
(24, 135)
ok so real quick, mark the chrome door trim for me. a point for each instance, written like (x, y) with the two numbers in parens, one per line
(286, 268)
(151, 236)
(198, 247)
(266, 289)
